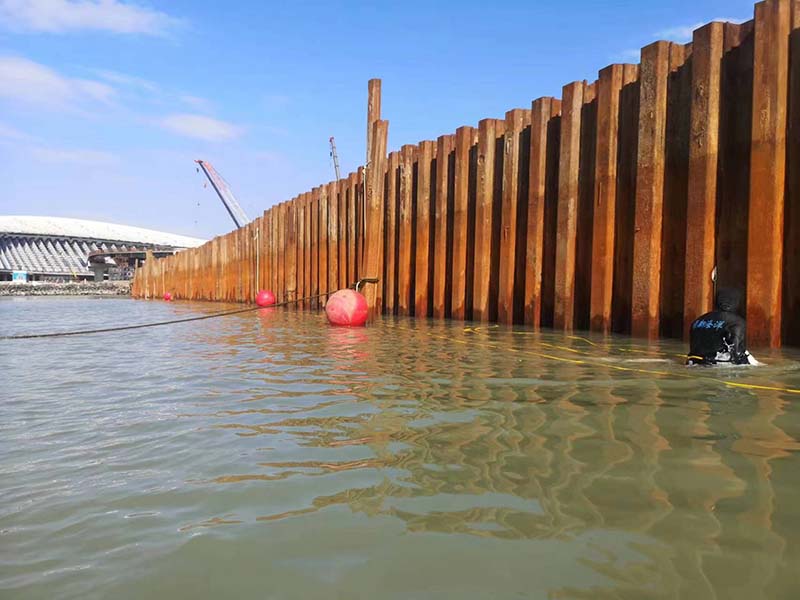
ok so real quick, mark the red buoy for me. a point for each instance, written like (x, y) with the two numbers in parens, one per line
(265, 298)
(167, 296)
(347, 307)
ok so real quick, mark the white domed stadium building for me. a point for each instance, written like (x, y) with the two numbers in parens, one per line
(62, 249)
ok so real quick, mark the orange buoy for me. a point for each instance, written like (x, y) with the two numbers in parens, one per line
(167, 296)
(265, 298)
(348, 308)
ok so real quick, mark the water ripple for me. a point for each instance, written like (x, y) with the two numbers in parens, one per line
(269, 451)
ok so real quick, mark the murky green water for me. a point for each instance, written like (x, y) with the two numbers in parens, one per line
(267, 455)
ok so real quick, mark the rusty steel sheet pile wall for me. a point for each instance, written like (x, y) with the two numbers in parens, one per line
(607, 209)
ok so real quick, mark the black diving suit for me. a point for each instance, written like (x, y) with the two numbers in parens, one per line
(719, 336)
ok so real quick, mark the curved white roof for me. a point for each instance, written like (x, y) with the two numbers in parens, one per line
(92, 230)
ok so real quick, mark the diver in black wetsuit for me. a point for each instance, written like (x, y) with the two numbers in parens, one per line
(719, 336)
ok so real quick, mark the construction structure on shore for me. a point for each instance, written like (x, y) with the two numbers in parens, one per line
(61, 249)
(607, 209)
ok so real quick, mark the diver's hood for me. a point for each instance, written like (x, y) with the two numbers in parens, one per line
(728, 299)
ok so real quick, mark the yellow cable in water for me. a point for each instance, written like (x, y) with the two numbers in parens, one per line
(627, 369)
(583, 339)
(575, 337)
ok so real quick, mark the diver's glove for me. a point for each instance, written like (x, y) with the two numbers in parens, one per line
(751, 360)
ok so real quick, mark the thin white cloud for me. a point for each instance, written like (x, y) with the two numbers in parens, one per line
(9, 133)
(32, 84)
(43, 152)
(59, 16)
(28, 85)
(138, 89)
(196, 102)
(123, 79)
(683, 33)
(629, 55)
(76, 156)
(201, 127)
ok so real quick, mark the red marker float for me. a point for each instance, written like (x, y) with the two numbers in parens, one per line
(348, 308)
(265, 298)
(167, 296)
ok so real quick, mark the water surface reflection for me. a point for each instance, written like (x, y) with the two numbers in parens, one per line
(406, 459)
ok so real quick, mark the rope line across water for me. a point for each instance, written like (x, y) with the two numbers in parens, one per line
(157, 323)
(529, 352)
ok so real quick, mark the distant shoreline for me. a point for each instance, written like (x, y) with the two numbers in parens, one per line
(69, 288)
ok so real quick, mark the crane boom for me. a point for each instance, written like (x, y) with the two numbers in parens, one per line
(335, 158)
(225, 194)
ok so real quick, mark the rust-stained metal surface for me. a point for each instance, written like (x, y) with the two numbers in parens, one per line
(648, 219)
(487, 240)
(768, 171)
(405, 231)
(443, 232)
(461, 232)
(609, 89)
(515, 122)
(701, 208)
(425, 194)
(543, 112)
(568, 183)
(607, 209)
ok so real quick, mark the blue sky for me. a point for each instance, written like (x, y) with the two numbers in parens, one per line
(105, 103)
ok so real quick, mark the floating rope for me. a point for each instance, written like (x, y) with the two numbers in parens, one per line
(552, 357)
(238, 311)
(157, 323)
